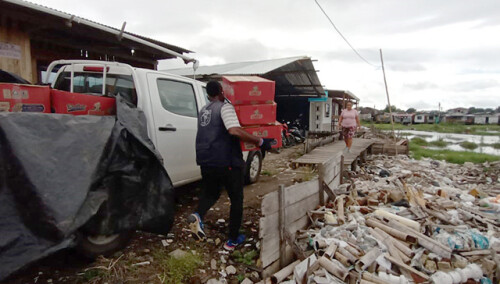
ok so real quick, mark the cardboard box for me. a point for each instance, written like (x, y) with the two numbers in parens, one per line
(263, 131)
(256, 114)
(242, 90)
(24, 98)
(82, 104)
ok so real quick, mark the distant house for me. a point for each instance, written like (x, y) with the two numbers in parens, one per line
(434, 116)
(383, 117)
(421, 117)
(486, 118)
(404, 118)
(368, 113)
(460, 110)
(459, 118)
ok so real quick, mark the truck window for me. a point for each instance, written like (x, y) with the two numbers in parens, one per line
(177, 97)
(205, 95)
(91, 83)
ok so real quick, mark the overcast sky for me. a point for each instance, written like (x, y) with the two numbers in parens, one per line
(435, 51)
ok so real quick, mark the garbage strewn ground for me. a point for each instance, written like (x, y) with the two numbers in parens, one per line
(147, 258)
(405, 221)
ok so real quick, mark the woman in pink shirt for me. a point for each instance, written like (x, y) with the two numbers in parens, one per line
(349, 121)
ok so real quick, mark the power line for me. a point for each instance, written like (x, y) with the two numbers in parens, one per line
(343, 37)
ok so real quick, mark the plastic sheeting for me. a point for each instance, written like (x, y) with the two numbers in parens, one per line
(63, 173)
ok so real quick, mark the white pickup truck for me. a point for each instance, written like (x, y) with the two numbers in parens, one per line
(170, 102)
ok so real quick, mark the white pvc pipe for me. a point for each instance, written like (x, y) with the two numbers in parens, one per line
(405, 221)
(471, 271)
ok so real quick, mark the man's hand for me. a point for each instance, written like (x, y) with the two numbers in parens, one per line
(267, 143)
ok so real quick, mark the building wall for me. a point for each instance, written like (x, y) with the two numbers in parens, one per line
(319, 118)
(22, 66)
(420, 118)
(480, 119)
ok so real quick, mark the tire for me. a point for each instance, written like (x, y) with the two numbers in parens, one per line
(291, 140)
(93, 246)
(253, 167)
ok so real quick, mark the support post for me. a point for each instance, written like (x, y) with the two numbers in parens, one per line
(281, 212)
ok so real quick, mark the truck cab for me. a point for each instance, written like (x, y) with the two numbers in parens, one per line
(170, 103)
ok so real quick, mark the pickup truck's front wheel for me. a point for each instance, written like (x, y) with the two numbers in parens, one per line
(254, 165)
(93, 246)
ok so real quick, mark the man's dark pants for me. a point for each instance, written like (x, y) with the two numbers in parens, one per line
(214, 178)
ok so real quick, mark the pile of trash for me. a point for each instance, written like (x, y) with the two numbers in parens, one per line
(404, 221)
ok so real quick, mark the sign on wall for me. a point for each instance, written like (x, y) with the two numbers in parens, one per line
(9, 50)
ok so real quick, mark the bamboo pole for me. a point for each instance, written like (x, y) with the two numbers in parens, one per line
(284, 273)
(340, 209)
(344, 252)
(423, 240)
(396, 252)
(340, 257)
(330, 251)
(406, 267)
(391, 231)
(364, 262)
(405, 221)
(334, 268)
(373, 278)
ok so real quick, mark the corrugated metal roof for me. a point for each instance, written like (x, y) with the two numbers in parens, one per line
(294, 76)
(238, 68)
(340, 94)
(80, 20)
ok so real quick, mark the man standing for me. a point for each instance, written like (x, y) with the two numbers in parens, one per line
(219, 155)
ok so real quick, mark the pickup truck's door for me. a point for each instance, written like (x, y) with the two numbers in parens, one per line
(175, 112)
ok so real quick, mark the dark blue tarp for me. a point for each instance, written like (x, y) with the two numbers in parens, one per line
(63, 173)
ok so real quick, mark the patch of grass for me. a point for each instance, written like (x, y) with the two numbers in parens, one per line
(405, 133)
(468, 145)
(240, 277)
(91, 274)
(442, 128)
(248, 258)
(423, 135)
(494, 145)
(177, 270)
(308, 174)
(456, 157)
(439, 143)
(267, 173)
(419, 141)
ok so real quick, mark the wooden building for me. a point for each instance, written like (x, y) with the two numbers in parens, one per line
(31, 36)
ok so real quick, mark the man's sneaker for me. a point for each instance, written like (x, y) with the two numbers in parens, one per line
(196, 227)
(231, 244)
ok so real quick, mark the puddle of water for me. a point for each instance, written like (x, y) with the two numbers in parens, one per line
(455, 139)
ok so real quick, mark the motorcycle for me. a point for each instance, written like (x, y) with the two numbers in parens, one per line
(287, 138)
(297, 135)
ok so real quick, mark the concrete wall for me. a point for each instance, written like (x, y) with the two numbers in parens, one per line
(320, 115)
(22, 66)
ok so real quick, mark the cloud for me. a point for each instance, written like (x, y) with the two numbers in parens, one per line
(234, 50)
(436, 51)
(477, 85)
(420, 86)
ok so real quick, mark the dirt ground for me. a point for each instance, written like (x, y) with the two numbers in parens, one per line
(146, 259)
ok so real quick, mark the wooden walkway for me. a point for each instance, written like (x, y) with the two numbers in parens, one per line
(360, 148)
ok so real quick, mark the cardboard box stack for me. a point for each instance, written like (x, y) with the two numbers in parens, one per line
(81, 104)
(253, 100)
(24, 98)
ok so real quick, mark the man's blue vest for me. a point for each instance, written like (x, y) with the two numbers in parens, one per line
(215, 147)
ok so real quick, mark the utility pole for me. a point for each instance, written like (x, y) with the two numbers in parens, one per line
(439, 114)
(387, 93)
